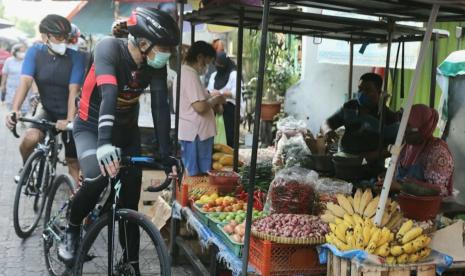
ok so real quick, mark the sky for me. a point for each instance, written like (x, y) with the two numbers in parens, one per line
(36, 10)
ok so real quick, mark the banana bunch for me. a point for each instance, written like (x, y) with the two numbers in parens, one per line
(410, 245)
(354, 232)
(364, 205)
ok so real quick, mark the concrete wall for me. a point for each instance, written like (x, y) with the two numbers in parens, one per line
(322, 89)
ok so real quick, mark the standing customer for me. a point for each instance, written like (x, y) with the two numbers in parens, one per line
(223, 82)
(196, 111)
(11, 74)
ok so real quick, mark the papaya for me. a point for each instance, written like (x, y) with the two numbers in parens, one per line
(217, 156)
(226, 160)
(223, 148)
(217, 166)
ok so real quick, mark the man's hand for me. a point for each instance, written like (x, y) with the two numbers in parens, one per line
(331, 137)
(9, 121)
(215, 100)
(61, 125)
(108, 157)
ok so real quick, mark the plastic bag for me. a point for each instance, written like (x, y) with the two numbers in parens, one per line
(292, 192)
(291, 126)
(332, 186)
(220, 137)
(292, 152)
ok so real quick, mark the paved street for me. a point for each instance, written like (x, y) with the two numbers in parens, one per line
(18, 257)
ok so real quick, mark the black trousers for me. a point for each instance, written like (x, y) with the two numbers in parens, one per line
(128, 139)
(228, 116)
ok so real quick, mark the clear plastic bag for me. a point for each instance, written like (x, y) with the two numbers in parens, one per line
(292, 191)
(333, 186)
(291, 126)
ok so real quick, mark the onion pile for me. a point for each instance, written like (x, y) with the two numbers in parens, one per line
(235, 231)
(291, 226)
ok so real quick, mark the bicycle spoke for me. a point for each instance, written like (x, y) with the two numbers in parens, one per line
(148, 262)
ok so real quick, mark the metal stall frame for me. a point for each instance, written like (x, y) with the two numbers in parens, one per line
(275, 20)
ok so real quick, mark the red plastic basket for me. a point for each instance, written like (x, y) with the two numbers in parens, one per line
(223, 178)
(271, 258)
(419, 207)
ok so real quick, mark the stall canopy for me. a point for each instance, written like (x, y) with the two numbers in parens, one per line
(308, 24)
(403, 10)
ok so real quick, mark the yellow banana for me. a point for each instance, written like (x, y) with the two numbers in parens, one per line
(383, 250)
(402, 259)
(404, 229)
(341, 231)
(350, 239)
(395, 218)
(329, 238)
(366, 198)
(337, 210)
(385, 219)
(370, 210)
(328, 217)
(396, 250)
(408, 248)
(412, 234)
(357, 200)
(349, 219)
(338, 220)
(358, 220)
(332, 226)
(340, 244)
(366, 235)
(372, 244)
(358, 235)
(345, 204)
(391, 260)
(369, 222)
(420, 242)
(424, 253)
(413, 258)
(384, 236)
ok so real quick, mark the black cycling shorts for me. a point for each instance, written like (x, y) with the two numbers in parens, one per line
(66, 137)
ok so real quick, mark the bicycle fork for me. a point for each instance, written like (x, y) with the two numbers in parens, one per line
(111, 229)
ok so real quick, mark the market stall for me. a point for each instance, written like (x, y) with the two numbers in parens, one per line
(223, 215)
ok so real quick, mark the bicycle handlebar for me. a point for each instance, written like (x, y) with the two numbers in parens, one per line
(151, 163)
(47, 124)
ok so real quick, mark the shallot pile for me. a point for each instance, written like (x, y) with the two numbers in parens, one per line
(291, 226)
(235, 231)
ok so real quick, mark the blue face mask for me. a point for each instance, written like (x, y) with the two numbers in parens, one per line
(159, 61)
(363, 99)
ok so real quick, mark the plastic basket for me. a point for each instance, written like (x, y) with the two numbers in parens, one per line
(419, 207)
(234, 246)
(271, 258)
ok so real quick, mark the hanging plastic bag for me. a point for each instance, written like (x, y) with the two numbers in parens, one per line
(220, 137)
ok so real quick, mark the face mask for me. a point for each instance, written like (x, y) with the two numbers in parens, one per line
(363, 99)
(159, 61)
(57, 48)
(413, 137)
(20, 55)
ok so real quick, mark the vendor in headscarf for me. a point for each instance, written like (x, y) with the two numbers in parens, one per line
(223, 81)
(425, 159)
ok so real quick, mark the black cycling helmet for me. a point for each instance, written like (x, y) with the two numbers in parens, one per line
(55, 24)
(154, 25)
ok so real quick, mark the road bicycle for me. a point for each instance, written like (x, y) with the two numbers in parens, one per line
(35, 178)
(98, 253)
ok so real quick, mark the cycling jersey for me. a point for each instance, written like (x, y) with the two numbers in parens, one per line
(53, 74)
(111, 91)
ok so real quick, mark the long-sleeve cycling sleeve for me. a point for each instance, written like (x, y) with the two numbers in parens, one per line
(161, 112)
(105, 71)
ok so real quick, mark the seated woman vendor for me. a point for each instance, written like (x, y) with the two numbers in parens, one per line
(361, 120)
(424, 159)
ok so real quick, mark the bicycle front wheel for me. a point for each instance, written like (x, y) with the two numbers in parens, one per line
(55, 220)
(30, 198)
(145, 254)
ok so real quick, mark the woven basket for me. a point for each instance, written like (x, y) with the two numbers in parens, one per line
(285, 240)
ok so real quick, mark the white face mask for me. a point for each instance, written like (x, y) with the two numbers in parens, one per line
(57, 48)
(20, 55)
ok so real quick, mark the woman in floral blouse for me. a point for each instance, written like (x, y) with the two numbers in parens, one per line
(425, 159)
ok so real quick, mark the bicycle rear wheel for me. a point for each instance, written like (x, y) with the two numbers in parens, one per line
(62, 189)
(30, 198)
(152, 256)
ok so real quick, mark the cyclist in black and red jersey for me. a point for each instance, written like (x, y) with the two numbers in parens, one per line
(108, 115)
